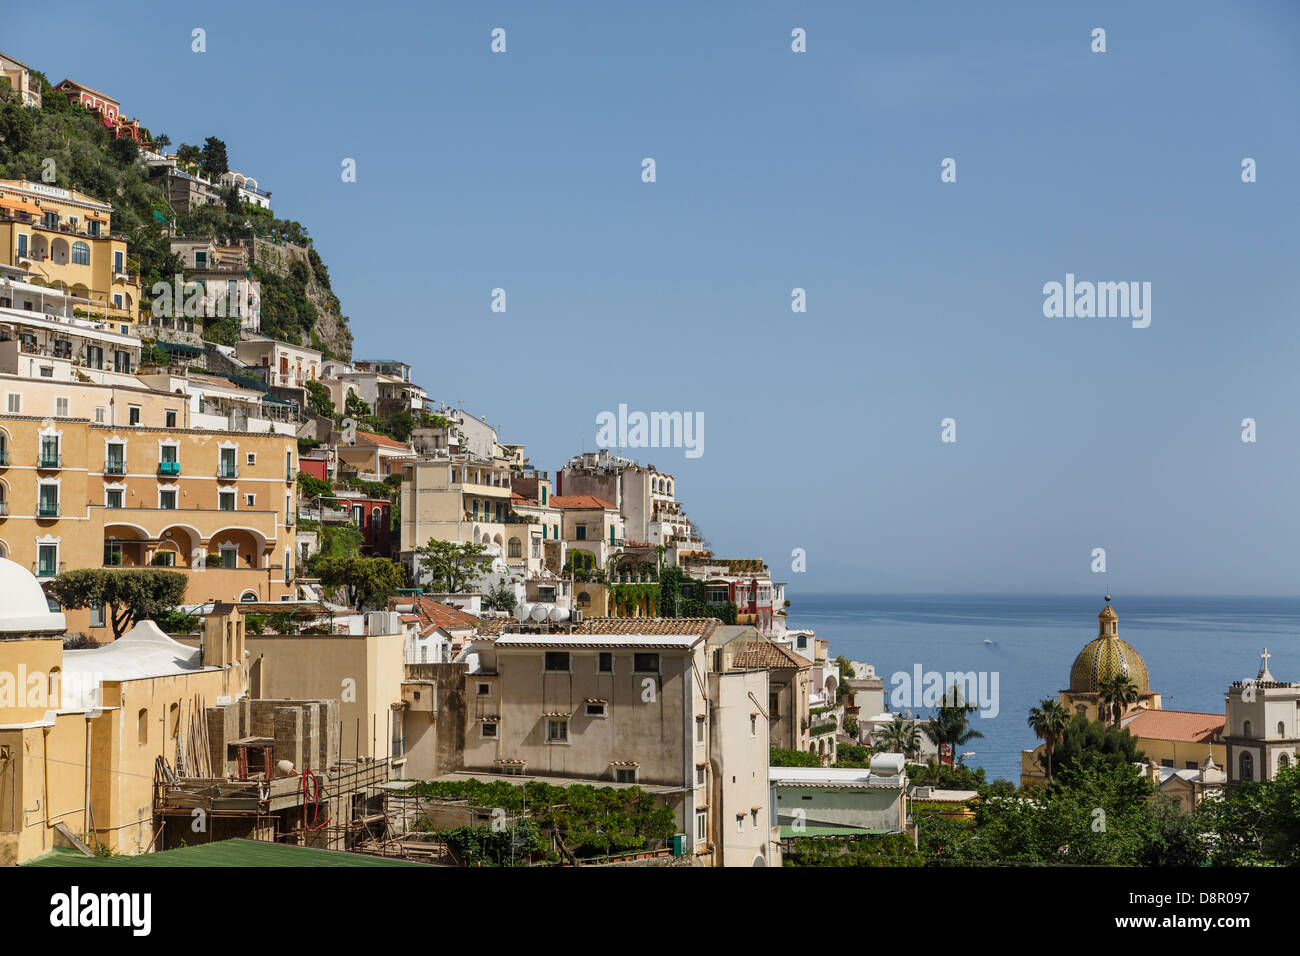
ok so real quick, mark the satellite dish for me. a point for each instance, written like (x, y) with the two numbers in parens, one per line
(539, 613)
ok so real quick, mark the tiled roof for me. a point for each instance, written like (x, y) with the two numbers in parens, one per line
(765, 655)
(491, 626)
(580, 502)
(1176, 725)
(645, 626)
(383, 440)
(434, 614)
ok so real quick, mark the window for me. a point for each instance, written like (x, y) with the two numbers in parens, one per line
(1166, 763)
(142, 726)
(701, 826)
(596, 710)
(115, 462)
(488, 729)
(288, 567)
(167, 500)
(557, 730)
(228, 557)
(15, 403)
(605, 664)
(226, 501)
(96, 615)
(113, 498)
(699, 730)
(99, 415)
(164, 559)
(112, 554)
(645, 663)
(753, 725)
(1283, 761)
(252, 458)
(484, 689)
(133, 412)
(80, 253)
(516, 548)
(167, 454)
(581, 532)
(47, 560)
(699, 775)
(740, 823)
(625, 774)
(557, 660)
(1246, 728)
(171, 418)
(60, 408)
(1281, 728)
(1247, 765)
(49, 451)
(94, 356)
(1190, 765)
(227, 467)
(250, 500)
(48, 506)
(119, 262)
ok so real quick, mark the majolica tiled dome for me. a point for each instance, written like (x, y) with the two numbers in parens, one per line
(1106, 656)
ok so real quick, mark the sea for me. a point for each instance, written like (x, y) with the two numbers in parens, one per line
(1194, 647)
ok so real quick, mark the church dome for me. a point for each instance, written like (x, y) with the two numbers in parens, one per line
(1107, 656)
(25, 609)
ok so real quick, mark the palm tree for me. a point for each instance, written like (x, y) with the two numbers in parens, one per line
(1115, 694)
(951, 723)
(1048, 720)
(899, 737)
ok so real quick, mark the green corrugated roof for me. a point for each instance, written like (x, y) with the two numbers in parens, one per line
(220, 853)
(828, 830)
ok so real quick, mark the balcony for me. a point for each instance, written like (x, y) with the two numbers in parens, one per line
(4, 459)
(169, 469)
(227, 471)
(50, 460)
(44, 570)
(115, 466)
(4, 509)
(48, 509)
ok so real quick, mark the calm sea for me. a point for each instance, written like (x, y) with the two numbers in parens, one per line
(1193, 647)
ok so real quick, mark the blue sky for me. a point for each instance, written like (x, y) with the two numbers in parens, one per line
(820, 170)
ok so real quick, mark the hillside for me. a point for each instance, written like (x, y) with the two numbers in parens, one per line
(65, 145)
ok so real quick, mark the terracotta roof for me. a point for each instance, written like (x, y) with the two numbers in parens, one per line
(1176, 725)
(645, 626)
(491, 626)
(580, 502)
(383, 440)
(765, 655)
(434, 614)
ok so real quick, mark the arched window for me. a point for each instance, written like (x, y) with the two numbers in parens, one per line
(80, 254)
(584, 599)
(516, 548)
(1246, 728)
(1247, 765)
(1283, 761)
(248, 597)
(1281, 728)
(142, 725)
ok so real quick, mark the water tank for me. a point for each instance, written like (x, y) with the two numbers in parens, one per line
(558, 614)
(522, 610)
(540, 612)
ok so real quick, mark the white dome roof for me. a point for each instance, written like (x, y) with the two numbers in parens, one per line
(24, 607)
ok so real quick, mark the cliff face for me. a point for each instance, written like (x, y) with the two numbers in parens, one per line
(298, 304)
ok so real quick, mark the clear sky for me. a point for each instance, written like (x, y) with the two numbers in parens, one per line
(818, 170)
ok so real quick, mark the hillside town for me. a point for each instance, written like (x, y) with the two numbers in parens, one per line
(266, 598)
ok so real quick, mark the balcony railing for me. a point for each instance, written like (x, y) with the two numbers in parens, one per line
(227, 471)
(48, 509)
(4, 509)
(4, 459)
(115, 466)
(169, 468)
(42, 570)
(50, 460)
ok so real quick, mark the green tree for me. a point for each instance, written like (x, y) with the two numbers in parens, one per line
(452, 567)
(367, 582)
(780, 757)
(1048, 721)
(401, 425)
(1087, 743)
(950, 725)
(501, 598)
(189, 155)
(1116, 694)
(899, 737)
(126, 596)
(161, 142)
(318, 399)
(1257, 824)
(311, 487)
(212, 159)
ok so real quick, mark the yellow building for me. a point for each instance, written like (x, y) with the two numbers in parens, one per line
(81, 731)
(1170, 741)
(216, 505)
(62, 238)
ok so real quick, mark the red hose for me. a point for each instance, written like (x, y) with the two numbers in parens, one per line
(314, 800)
